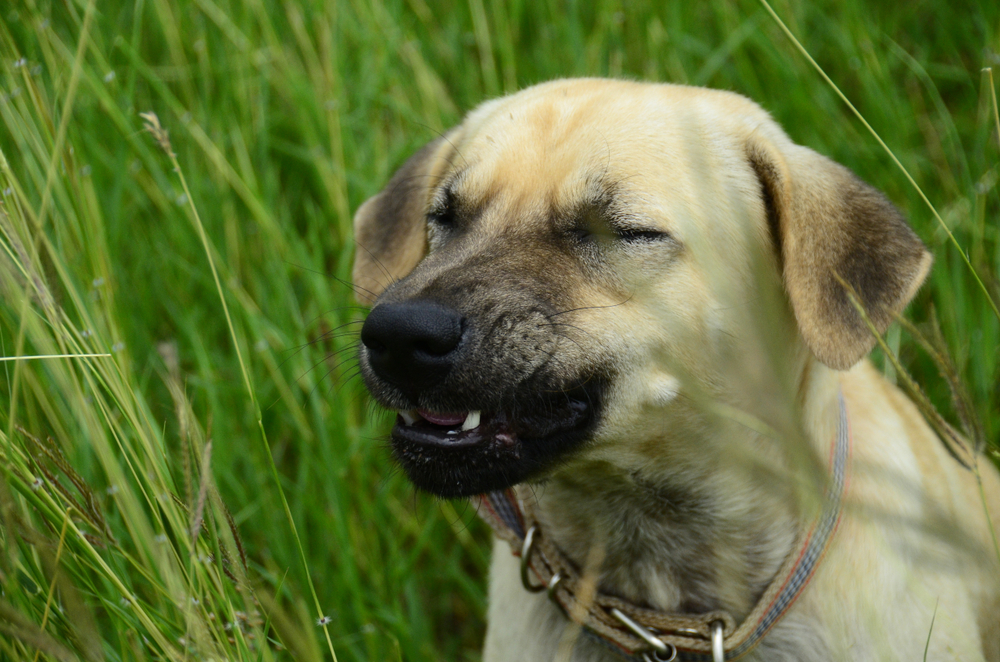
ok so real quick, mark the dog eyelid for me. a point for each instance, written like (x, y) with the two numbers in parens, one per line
(636, 235)
(442, 212)
(444, 216)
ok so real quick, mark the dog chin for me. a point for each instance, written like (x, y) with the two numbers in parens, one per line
(473, 452)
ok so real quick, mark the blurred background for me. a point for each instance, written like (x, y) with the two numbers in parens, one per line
(216, 484)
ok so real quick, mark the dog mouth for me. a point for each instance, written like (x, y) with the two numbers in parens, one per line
(476, 427)
(458, 429)
(462, 453)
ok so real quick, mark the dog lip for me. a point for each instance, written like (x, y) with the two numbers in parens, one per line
(465, 421)
(504, 449)
(463, 429)
(426, 432)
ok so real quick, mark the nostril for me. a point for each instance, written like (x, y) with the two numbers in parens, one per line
(373, 344)
(432, 349)
(370, 333)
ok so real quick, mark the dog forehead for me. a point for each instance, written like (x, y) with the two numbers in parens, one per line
(567, 104)
(551, 144)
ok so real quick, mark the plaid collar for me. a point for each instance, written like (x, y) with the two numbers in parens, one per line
(686, 637)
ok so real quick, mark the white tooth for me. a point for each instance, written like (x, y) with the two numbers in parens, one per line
(472, 420)
(409, 416)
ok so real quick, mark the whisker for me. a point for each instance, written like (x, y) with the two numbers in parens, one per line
(444, 137)
(385, 271)
(329, 335)
(573, 310)
(371, 295)
(325, 358)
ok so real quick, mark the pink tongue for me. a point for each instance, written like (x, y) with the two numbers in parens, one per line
(442, 419)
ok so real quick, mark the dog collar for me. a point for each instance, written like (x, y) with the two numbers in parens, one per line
(652, 635)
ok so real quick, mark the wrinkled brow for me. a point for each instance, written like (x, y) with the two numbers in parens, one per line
(444, 192)
(601, 197)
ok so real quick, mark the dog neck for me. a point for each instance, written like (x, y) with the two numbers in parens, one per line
(697, 520)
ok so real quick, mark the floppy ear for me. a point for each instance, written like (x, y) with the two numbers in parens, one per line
(389, 228)
(826, 222)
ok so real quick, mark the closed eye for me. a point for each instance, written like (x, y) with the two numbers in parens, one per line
(591, 232)
(444, 217)
(443, 213)
(639, 235)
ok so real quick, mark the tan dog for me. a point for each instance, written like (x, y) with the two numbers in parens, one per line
(626, 296)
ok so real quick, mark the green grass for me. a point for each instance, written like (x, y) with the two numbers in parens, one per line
(284, 117)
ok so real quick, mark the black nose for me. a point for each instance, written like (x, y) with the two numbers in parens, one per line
(412, 344)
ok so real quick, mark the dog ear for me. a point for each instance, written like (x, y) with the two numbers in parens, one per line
(389, 228)
(825, 223)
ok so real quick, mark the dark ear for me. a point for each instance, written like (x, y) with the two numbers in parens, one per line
(826, 222)
(389, 228)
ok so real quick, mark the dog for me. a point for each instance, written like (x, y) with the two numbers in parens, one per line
(649, 308)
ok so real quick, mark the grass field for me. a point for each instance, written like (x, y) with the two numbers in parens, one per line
(215, 484)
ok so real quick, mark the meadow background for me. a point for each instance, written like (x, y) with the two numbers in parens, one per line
(218, 486)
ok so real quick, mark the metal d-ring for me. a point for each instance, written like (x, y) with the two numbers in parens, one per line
(526, 549)
(662, 651)
(657, 657)
(550, 588)
(718, 650)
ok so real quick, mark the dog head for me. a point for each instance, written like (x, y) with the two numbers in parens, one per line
(570, 255)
